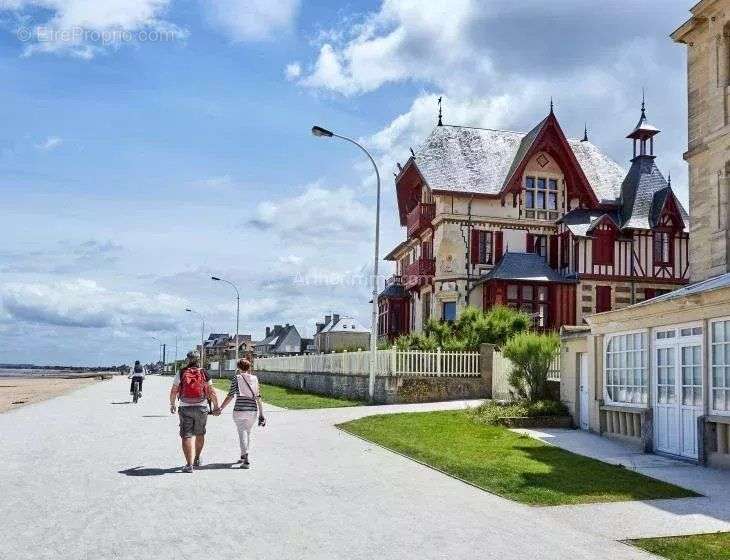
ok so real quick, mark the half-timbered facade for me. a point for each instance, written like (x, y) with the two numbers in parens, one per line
(535, 221)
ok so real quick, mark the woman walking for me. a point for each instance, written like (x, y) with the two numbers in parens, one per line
(248, 409)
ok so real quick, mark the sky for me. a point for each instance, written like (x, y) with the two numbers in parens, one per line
(149, 144)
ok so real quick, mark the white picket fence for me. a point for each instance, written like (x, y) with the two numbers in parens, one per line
(392, 362)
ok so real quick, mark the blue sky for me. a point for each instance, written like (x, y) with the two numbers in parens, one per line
(132, 169)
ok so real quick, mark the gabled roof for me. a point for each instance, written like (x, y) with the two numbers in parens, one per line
(482, 161)
(345, 324)
(640, 194)
(526, 267)
(581, 222)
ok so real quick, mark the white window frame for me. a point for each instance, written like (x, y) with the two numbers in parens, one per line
(647, 368)
(710, 367)
(676, 341)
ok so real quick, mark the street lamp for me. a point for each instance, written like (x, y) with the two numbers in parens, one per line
(324, 133)
(202, 336)
(238, 307)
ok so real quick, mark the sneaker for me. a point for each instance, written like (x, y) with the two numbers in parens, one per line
(196, 463)
(246, 463)
(187, 469)
(239, 461)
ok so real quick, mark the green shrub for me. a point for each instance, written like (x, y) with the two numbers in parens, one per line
(490, 412)
(472, 328)
(531, 354)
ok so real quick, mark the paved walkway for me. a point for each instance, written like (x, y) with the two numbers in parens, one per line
(653, 518)
(88, 476)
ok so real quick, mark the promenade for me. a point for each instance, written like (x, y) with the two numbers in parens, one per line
(88, 476)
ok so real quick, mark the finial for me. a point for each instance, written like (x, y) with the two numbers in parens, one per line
(585, 133)
(643, 103)
(400, 167)
(551, 104)
(669, 179)
(412, 152)
(441, 123)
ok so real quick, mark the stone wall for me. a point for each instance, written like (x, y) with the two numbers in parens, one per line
(388, 390)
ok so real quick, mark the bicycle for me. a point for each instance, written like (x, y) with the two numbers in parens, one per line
(135, 391)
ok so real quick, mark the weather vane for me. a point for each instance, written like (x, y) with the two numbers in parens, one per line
(441, 123)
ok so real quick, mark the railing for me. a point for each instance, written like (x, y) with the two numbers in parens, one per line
(394, 280)
(554, 372)
(420, 217)
(393, 362)
(419, 272)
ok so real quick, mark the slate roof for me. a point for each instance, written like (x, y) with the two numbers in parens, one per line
(581, 221)
(525, 266)
(481, 160)
(394, 290)
(346, 324)
(715, 283)
(643, 193)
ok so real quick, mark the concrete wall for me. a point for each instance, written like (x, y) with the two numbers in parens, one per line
(388, 390)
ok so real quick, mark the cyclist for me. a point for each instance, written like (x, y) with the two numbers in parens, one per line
(138, 373)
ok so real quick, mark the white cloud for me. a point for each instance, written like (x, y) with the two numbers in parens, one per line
(316, 216)
(87, 304)
(293, 71)
(50, 143)
(85, 28)
(404, 40)
(251, 20)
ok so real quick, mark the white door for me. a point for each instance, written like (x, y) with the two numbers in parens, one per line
(678, 392)
(583, 392)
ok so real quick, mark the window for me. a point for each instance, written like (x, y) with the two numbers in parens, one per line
(603, 299)
(720, 382)
(541, 193)
(662, 248)
(449, 311)
(532, 299)
(602, 246)
(541, 245)
(485, 247)
(626, 377)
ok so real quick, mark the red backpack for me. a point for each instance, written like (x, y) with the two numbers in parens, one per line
(193, 385)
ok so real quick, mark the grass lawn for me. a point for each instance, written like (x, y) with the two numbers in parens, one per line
(505, 463)
(712, 546)
(292, 398)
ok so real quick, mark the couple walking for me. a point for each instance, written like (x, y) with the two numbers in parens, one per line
(194, 389)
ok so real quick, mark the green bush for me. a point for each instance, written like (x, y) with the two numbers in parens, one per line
(490, 412)
(472, 328)
(531, 355)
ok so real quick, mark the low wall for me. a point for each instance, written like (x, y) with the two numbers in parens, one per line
(388, 390)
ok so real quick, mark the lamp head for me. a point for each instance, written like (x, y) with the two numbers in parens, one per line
(189, 310)
(321, 132)
(215, 278)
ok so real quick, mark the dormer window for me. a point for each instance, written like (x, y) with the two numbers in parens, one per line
(541, 198)
(662, 248)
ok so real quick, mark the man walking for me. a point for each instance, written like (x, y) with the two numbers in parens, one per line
(195, 390)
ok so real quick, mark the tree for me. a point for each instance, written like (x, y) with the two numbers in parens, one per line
(531, 355)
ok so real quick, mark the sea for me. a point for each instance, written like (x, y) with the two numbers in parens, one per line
(10, 372)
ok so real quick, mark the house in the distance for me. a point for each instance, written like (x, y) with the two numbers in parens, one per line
(279, 340)
(338, 333)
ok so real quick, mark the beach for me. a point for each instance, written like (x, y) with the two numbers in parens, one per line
(20, 391)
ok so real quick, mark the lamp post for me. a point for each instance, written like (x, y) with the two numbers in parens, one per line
(202, 336)
(320, 132)
(238, 307)
(159, 348)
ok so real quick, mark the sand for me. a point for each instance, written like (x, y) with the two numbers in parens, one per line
(19, 391)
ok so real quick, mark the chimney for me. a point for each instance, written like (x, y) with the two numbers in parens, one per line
(327, 319)
(335, 318)
(268, 332)
(320, 326)
(288, 325)
(277, 329)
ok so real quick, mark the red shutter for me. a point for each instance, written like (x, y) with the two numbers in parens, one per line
(530, 243)
(553, 256)
(603, 298)
(497, 240)
(474, 246)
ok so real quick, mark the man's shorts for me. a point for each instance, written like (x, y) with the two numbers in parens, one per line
(192, 420)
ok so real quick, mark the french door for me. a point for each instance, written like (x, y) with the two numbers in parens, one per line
(677, 391)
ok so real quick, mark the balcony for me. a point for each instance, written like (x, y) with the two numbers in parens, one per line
(394, 280)
(419, 273)
(420, 218)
